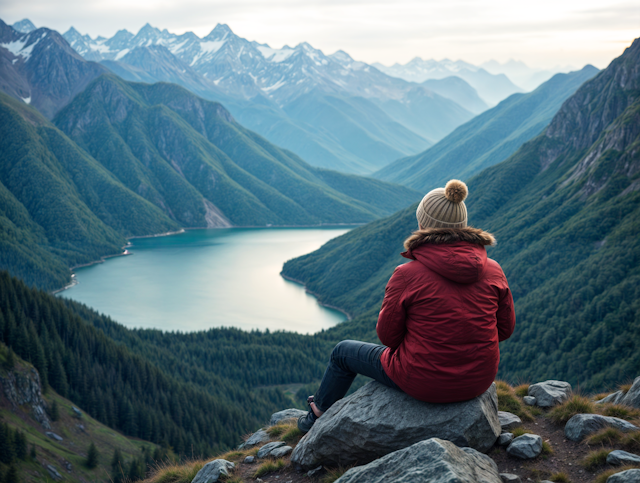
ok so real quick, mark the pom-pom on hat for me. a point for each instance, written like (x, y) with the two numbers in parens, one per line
(444, 207)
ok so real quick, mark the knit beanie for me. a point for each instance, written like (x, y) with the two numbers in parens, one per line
(444, 207)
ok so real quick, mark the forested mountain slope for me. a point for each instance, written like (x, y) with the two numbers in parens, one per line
(565, 209)
(487, 139)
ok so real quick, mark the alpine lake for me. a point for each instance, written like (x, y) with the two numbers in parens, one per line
(200, 279)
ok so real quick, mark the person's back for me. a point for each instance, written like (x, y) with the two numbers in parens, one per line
(444, 314)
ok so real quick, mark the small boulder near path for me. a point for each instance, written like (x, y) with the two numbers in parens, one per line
(377, 420)
(286, 414)
(550, 393)
(433, 460)
(582, 425)
(212, 471)
(525, 447)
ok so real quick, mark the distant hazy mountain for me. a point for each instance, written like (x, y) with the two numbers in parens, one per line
(41, 69)
(459, 91)
(331, 110)
(491, 88)
(24, 26)
(488, 138)
(523, 75)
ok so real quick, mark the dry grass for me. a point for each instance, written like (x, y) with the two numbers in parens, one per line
(606, 436)
(546, 448)
(510, 402)
(575, 405)
(334, 474)
(625, 387)
(604, 476)
(522, 390)
(519, 432)
(599, 396)
(292, 435)
(560, 478)
(631, 441)
(175, 473)
(269, 467)
(595, 459)
(619, 411)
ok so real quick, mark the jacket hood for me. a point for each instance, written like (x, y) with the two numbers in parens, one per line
(457, 254)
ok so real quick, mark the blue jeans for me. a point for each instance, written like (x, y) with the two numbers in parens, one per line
(348, 359)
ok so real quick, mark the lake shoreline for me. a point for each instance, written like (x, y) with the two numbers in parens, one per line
(317, 297)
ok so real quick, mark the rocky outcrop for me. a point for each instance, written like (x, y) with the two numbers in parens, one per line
(433, 460)
(212, 471)
(22, 388)
(508, 420)
(255, 439)
(629, 476)
(285, 415)
(619, 457)
(525, 447)
(268, 448)
(549, 393)
(377, 420)
(582, 425)
(630, 398)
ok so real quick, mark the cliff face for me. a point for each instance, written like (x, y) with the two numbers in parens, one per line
(22, 388)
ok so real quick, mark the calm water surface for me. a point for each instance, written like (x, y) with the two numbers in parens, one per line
(209, 278)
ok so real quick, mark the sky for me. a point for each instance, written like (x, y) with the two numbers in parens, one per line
(541, 33)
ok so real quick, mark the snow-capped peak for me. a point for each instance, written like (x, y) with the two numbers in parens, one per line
(24, 26)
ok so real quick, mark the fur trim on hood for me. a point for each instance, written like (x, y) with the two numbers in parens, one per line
(439, 236)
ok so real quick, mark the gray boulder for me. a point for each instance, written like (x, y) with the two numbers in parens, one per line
(611, 398)
(505, 439)
(281, 452)
(433, 460)
(255, 439)
(510, 478)
(55, 436)
(286, 414)
(632, 397)
(212, 471)
(249, 460)
(629, 476)
(508, 420)
(268, 448)
(619, 457)
(529, 400)
(526, 447)
(549, 393)
(582, 425)
(53, 472)
(377, 420)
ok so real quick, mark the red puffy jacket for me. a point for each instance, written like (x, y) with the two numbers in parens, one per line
(443, 315)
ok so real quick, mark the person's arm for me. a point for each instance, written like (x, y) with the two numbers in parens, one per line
(506, 314)
(391, 320)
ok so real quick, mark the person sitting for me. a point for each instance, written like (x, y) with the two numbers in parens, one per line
(442, 316)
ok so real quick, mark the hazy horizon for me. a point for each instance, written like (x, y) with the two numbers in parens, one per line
(543, 36)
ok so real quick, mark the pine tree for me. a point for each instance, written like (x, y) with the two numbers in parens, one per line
(21, 445)
(54, 411)
(10, 362)
(92, 456)
(116, 467)
(12, 475)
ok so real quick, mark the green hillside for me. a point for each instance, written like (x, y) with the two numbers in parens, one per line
(191, 159)
(488, 138)
(565, 209)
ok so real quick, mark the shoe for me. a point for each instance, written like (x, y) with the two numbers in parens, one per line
(307, 421)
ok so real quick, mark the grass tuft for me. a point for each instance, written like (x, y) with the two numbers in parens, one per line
(625, 387)
(334, 474)
(522, 390)
(508, 401)
(606, 436)
(269, 467)
(595, 459)
(519, 431)
(619, 411)
(560, 477)
(175, 473)
(292, 435)
(631, 441)
(546, 448)
(604, 476)
(575, 405)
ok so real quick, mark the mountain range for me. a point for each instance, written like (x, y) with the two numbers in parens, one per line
(565, 209)
(488, 138)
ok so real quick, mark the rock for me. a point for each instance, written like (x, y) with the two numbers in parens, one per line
(526, 447)
(255, 439)
(314, 471)
(377, 420)
(268, 448)
(632, 397)
(582, 425)
(286, 414)
(529, 400)
(249, 460)
(212, 471)
(619, 457)
(629, 476)
(611, 398)
(433, 460)
(505, 439)
(54, 436)
(22, 388)
(508, 420)
(77, 412)
(53, 472)
(510, 478)
(550, 393)
(281, 452)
